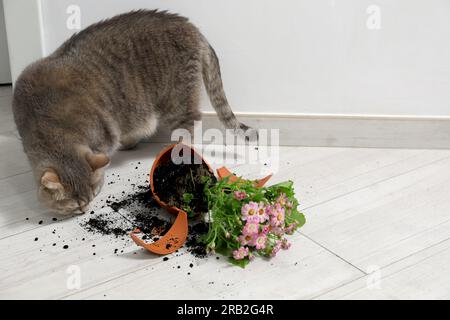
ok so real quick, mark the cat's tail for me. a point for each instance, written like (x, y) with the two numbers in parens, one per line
(214, 87)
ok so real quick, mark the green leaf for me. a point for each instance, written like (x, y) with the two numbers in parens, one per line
(224, 250)
(222, 247)
(187, 197)
(284, 185)
(298, 217)
(240, 263)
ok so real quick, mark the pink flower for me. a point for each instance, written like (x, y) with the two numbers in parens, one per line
(253, 219)
(250, 228)
(285, 244)
(278, 209)
(282, 199)
(289, 205)
(260, 241)
(261, 213)
(277, 217)
(277, 231)
(266, 229)
(269, 210)
(246, 240)
(276, 248)
(240, 253)
(291, 228)
(249, 210)
(240, 195)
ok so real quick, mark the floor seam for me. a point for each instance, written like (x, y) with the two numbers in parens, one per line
(389, 265)
(340, 286)
(334, 253)
(370, 171)
(15, 175)
(375, 183)
(104, 282)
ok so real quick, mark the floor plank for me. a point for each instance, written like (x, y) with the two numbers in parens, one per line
(387, 221)
(22, 257)
(6, 116)
(423, 275)
(12, 158)
(365, 208)
(299, 274)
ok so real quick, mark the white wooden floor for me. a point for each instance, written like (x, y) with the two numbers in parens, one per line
(378, 226)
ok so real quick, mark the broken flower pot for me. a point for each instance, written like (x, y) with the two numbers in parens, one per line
(177, 234)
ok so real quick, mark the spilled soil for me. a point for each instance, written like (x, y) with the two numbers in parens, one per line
(182, 186)
(138, 209)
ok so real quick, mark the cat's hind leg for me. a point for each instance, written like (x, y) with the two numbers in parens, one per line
(142, 129)
(129, 143)
(184, 106)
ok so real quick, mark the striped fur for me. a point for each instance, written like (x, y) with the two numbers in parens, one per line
(108, 87)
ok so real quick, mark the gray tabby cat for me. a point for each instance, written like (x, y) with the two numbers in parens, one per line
(108, 87)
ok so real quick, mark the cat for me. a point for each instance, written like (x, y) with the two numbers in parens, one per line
(107, 87)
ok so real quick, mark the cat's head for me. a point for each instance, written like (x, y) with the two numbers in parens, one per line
(69, 187)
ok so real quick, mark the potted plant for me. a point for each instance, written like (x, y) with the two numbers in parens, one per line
(246, 219)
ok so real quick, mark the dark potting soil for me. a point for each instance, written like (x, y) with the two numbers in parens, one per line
(193, 245)
(140, 210)
(173, 181)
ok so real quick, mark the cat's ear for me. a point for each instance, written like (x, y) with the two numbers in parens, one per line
(97, 160)
(50, 180)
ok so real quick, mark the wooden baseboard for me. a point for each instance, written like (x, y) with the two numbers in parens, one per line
(363, 131)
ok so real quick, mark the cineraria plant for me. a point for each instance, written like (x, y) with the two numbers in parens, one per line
(246, 221)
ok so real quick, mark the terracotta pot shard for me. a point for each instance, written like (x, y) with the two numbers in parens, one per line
(175, 238)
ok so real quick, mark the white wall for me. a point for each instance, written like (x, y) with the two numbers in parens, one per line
(5, 72)
(309, 56)
(24, 30)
